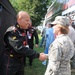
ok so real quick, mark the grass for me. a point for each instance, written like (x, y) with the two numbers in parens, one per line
(37, 68)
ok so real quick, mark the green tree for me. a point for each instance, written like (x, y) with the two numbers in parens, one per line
(36, 8)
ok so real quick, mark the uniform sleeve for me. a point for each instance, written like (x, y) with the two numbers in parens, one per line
(55, 55)
(17, 45)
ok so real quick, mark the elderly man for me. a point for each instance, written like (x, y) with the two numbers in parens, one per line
(15, 40)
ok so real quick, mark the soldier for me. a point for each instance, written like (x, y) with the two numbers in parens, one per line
(71, 34)
(15, 40)
(61, 50)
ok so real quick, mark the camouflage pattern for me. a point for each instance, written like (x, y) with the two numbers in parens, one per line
(60, 53)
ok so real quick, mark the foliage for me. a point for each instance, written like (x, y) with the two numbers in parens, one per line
(36, 8)
(38, 31)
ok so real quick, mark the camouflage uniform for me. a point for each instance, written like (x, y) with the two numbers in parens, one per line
(71, 34)
(60, 53)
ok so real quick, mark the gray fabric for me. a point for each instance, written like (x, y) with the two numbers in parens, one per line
(60, 53)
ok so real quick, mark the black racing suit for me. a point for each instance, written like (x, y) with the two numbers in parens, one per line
(16, 49)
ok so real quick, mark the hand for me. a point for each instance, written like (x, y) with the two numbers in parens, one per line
(36, 45)
(42, 57)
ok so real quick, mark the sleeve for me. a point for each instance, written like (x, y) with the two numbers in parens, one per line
(49, 37)
(36, 37)
(16, 44)
(55, 55)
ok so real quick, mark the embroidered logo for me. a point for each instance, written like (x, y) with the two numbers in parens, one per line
(14, 37)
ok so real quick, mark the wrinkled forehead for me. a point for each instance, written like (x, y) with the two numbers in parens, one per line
(23, 15)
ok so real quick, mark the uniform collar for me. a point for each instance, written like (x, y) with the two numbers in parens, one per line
(18, 27)
(61, 35)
